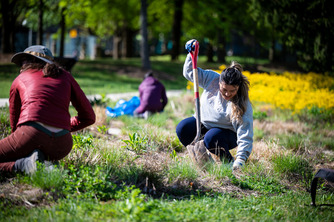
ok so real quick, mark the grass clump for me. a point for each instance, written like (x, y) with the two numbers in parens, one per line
(181, 169)
(48, 178)
(295, 168)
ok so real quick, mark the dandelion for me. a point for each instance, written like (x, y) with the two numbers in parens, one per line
(190, 85)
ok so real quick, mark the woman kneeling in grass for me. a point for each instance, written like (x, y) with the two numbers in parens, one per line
(226, 112)
(39, 112)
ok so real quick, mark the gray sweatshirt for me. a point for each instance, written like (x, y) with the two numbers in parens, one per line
(216, 111)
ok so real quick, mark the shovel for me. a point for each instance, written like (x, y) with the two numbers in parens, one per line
(194, 54)
(197, 149)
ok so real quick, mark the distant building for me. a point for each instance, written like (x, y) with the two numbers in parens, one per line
(77, 44)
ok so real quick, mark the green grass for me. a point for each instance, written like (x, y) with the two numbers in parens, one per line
(138, 207)
(103, 75)
(145, 174)
(103, 180)
(8, 73)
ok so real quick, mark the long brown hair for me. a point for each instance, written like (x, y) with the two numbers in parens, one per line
(49, 70)
(233, 76)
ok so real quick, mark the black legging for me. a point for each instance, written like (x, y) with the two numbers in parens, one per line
(213, 138)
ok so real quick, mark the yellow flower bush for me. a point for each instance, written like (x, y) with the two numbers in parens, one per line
(294, 91)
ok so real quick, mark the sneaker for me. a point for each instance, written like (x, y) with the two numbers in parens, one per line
(147, 114)
(28, 164)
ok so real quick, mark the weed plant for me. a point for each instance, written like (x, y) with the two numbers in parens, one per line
(136, 143)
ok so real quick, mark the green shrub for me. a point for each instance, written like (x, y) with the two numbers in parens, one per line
(135, 206)
(317, 117)
(219, 171)
(258, 177)
(87, 182)
(260, 115)
(102, 129)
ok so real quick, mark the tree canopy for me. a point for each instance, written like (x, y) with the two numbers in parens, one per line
(303, 28)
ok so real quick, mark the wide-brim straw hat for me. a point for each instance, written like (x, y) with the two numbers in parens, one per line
(37, 51)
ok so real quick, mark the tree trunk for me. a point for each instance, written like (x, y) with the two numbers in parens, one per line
(116, 46)
(221, 51)
(62, 34)
(271, 53)
(40, 23)
(8, 26)
(176, 31)
(209, 52)
(127, 46)
(144, 41)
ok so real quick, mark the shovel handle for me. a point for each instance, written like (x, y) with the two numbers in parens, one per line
(194, 55)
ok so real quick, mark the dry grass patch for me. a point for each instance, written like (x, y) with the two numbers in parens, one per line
(280, 127)
(21, 194)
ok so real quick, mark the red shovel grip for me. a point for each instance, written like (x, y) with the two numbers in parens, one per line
(194, 54)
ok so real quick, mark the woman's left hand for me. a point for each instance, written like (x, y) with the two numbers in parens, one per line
(238, 163)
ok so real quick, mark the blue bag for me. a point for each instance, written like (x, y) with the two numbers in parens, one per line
(123, 107)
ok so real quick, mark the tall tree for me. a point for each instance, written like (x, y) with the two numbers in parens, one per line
(41, 14)
(10, 11)
(40, 22)
(211, 24)
(144, 39)
(62, 32)
(176, 30)
(305, 27)
(265, 30)
(117, 18)
(160, 20)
